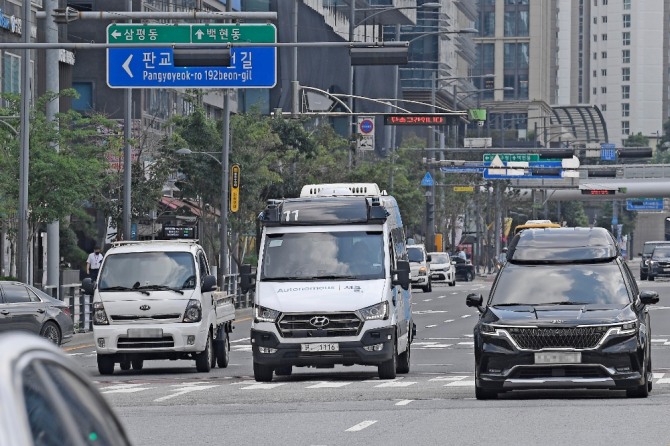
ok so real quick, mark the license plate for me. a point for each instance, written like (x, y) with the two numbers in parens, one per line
(145, 332)
(558, 358)
(320, 347)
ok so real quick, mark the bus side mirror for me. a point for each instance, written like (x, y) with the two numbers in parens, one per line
(247, 278)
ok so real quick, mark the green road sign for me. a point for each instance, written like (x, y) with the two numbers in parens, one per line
(190, 33)
(505, 157)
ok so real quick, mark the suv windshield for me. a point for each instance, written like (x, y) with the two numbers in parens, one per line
(600, 283)
(323, 255)
(415, 254)
(661, 252)
(649, 248)
(142, 269)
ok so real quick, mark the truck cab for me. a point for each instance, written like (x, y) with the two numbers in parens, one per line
(332, 284)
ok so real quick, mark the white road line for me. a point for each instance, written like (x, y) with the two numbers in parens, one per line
(468, 336)
(465, 383)
(465, 315)
(328, 385)
(431, 326)
(240, 340)
(396, 383)
(466, 343)
(659, 340)
(449, 378)
(262, 386)
(403, 402)
(658, 375)
(124, 388)
(448, 320)
(663, 381)
(184, 391)
(361, 426)
(241, 348)
(427, 300)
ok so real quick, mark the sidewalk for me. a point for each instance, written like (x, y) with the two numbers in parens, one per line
(80, 341)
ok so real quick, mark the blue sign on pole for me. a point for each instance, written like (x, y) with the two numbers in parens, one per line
(535, 170)
(462, 169)
(608, 152)
(644, 204)
(427, 180)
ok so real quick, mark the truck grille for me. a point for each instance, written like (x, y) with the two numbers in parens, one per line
(155, 317)
(162, 342)
(557, 337)
(300, 325)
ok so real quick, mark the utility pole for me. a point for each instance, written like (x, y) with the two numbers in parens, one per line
(352, 120)
(225, 154)
(127, 161)
(52, 71)
(24, 159)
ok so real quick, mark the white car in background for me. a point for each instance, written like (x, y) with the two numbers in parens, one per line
(442, 269)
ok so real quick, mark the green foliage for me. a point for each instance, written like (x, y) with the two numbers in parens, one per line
(638, 140)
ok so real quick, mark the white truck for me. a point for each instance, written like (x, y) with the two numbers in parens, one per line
(157, 300)
(332, 284)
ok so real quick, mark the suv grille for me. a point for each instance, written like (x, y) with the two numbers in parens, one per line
(558, 337)
(299, 325)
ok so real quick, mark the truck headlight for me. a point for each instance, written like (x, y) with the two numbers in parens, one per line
(422, 271)
(99, 314)
(263, 314)
(193, 311)
(375, 312)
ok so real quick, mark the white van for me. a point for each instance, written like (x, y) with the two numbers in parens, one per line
(332, 285)
(157, 300)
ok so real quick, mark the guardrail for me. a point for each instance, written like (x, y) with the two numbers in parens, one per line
(231, 287)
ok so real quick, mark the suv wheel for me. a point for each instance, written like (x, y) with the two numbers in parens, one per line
(482, 394)
(651, 278)
(643, 276)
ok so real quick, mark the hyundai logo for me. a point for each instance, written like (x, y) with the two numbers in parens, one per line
(319, 321)
(145, 308)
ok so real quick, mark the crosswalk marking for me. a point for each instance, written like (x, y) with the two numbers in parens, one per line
(663, 381)
(463, 383)
(658, 375)
(240, 348)
(262, 386)
(240, 340)
(124, 388)
(403, 402)
(361, 426)
(328, 385)
(183, 390)
(397, 384)
(448, 378)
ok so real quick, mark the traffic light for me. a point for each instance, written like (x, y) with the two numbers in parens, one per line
(634, 152)
(430, 212)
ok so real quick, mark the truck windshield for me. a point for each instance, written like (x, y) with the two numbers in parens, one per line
(141, 269)
(350, 255)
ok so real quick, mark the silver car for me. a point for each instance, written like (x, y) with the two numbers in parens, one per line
(47, 400)
(25, 308)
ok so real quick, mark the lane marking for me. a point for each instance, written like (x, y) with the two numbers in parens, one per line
(465, 315)
(360, 426)
(431, 326)
(449, 378)
(448, 320)
(78, 347)
(240, 340)
(464, 383)
(397, 384)
(663, 381)
(658, 375)
(124, 388)
(427, 300)
(328, 385)
(403, 402)
(186, 388)
(466, 343)
(262, 386)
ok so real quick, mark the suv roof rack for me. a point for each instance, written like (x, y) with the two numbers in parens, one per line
(563, 245)
(148, 242)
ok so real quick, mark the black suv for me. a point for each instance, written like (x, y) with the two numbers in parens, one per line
(647, 250)
(564, 312)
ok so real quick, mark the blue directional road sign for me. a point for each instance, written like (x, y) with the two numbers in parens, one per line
(608, 152)
(644, 204)
(427, 180)
(250, 67)
(535, 170)
(463, 169)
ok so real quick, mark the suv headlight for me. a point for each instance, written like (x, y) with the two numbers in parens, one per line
(422, 271)
(628, 327)
(487, 329)
(193, 311)
(375, 312)
(99, 314)
(262, 314)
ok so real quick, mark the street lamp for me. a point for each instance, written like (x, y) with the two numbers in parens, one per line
(223, 232)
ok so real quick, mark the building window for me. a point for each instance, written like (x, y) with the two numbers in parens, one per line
(516, 70)
(11, 73)
(595, 91)
(625, 109)
(516, 17)
(626, 20)
(604, 2)
(625, 127)
(603, 55)
(625, 92)
(595, 37)
(595, 73)
(625, 74)
(85, 101)
(603, 90)
(595, 20)
(604, 19)
(604, 37)
(626, 5)
(603, 107)
(626, 38)
(625, 56)
(486, 20)
(595, 55)
(595, 2)
(603, 72)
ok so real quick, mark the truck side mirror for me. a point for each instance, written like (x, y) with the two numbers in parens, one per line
(88, 286)
(208, 284)
(401, 274)
(429, 258)
(247, 279)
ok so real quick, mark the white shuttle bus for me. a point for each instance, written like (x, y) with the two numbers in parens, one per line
(332, 283)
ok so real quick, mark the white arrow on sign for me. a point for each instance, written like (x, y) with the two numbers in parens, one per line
(116, 34)
(126, 65)
(199, 33)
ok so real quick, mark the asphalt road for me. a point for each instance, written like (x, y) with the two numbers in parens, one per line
(169, 403)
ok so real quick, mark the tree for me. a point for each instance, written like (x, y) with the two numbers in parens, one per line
(638, 140)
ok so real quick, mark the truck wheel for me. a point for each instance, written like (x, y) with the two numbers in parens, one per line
(138, 364)
(643, 276)
(262, 373)
(284, 370)
(651, 278)
(387, 369)
(223, 351)
(203, 360)
(125, 365)
(403, 360)
(105, 364)
(452, 283)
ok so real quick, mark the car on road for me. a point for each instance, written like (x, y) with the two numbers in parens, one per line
(24, 307)
(564, 312)
(419, 264)
(659, 262)
(645, 255)
(442, 268)
(464, 269)
(48, 400)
